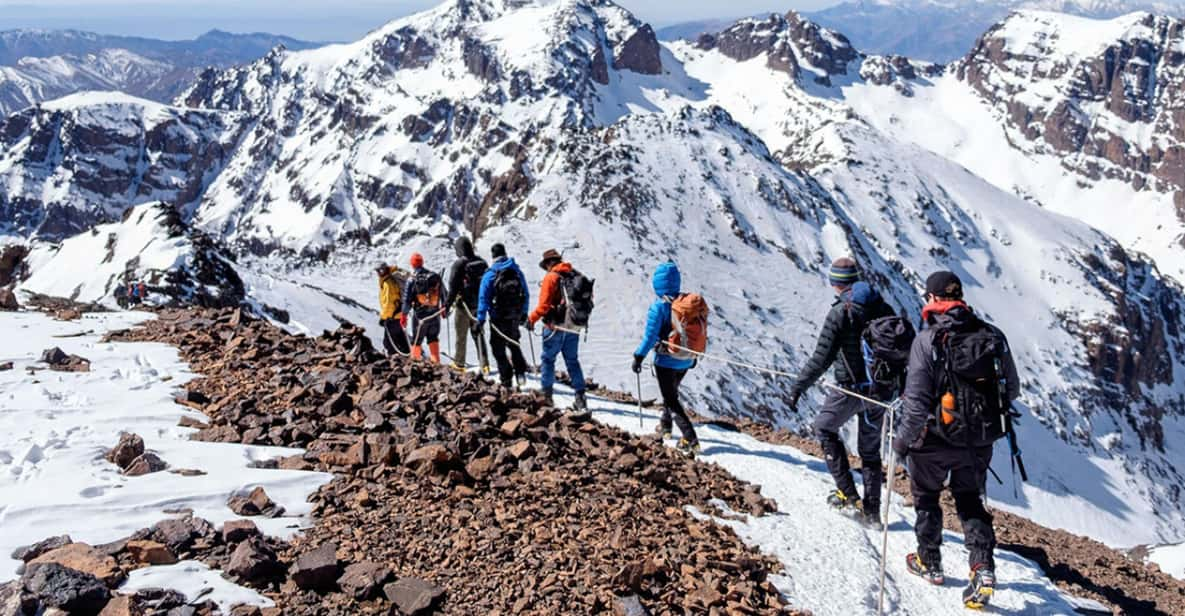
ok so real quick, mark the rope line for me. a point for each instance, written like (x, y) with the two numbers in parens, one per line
(493, 328)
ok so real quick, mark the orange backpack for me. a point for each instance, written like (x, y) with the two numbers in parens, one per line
(689, 327)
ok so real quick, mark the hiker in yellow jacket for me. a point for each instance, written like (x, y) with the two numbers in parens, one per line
(391, 317)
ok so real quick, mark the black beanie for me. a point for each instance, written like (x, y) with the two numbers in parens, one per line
(944, 284)
(498, 250)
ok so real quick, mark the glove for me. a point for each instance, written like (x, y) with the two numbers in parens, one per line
(794, 397)
(638, 363)
(403, 321)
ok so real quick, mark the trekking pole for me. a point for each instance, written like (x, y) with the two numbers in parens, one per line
(531, 340)
(888, 506)
(639, 375)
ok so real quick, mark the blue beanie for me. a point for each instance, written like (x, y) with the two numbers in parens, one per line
(843, 272)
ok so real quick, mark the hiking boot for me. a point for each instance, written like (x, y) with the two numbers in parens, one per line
(522, 381)
(545, 394)
(580, 403)
(664, 432)
(840, 501)
(933, 575)
(485, 370)
(980, 589)
(871, 518)
(458, 368)
(688, 448)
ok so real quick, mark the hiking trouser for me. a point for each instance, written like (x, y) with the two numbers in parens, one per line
(426, 330)
(668, 383)
(556, 343)
(464, 327)
(837, 410)
(929, 467)
(394, 338)
(508, 354)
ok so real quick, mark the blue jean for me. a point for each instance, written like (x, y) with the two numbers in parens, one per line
(555, 343)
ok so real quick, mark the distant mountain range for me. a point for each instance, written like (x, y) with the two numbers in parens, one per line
(932, 30)
(39, 65)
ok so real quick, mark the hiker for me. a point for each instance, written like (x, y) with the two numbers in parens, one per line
(957, 402)
(503, 299)
(391, 319)
(422, 298)
(671, 363)
(856, 304)
(464, 281)
(558, 315)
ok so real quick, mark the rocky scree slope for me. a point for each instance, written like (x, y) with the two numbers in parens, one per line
(499, 503)
(1111, 106)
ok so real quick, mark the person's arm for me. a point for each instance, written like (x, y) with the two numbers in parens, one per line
(918, 397)
(407, 295)
(483, 295)
(456, 280)
(547, 293)
(826, 350)
(1010, 373)
(654, 324)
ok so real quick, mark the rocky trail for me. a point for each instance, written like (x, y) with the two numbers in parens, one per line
(451, 495)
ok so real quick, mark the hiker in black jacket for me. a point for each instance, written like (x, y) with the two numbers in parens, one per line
(856, 304)
(464, 282)
(933, 395)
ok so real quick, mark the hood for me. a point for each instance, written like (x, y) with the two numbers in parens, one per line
(950, 313)
(502, 263)
(464, 247)
(861, 293)
(667, 281)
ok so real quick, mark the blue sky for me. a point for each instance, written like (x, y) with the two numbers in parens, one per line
(337, 20)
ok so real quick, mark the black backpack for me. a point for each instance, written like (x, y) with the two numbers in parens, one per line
(474, 270)
(509, 297)
(577, 306)
(970, 366)
(425, 289)
(886, 343)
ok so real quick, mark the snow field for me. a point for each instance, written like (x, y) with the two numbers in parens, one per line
(58, 426)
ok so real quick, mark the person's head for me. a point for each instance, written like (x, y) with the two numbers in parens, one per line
(551, 258)
(417, 260)
(843, 274)
(944, 286)
(498, 251)
(464, 247)
(383, 269)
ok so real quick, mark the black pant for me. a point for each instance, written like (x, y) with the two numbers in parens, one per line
(426, 328)
(394, 338)
(508, 355)
(967, 467)
(668, 384)
(837, 410)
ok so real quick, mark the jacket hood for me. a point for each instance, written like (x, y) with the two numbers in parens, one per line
(464, 247)
(502, 263)
(667, 281)
(861, 293)
(953, 313)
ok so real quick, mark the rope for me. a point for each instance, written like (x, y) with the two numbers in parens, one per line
(493, 328)
(889, 419)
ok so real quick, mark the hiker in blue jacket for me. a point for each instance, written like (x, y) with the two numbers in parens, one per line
(669, 370)
(503, 298)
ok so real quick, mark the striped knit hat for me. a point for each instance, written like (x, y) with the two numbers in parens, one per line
(843, 272)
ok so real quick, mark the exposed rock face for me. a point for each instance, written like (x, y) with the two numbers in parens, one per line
(109, 152)
(1114, 112)
(66, 588)
(640, 53)
(791, 44)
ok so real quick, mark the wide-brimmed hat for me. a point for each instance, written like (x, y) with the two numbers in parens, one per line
(550, 256)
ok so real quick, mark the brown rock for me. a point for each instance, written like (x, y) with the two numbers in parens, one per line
(629, 606)
(521, 449)
(129, 447)
(294, 463)
(29, 552)
(435, 453)
(363, 580)
(316, 569)
(147, 463)
(84, 558)
(235, 531)
(253, 562)
(150, 553)
(68, 314)
(8, 300)
(413, 596)
(257, 502)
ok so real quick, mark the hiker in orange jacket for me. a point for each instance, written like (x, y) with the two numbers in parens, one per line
(556, 342)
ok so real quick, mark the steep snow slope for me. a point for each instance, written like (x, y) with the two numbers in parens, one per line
(151, 245)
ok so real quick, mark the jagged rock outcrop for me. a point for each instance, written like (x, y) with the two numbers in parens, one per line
(1108, 100)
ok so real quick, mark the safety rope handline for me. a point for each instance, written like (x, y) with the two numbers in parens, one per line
(493, 328)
